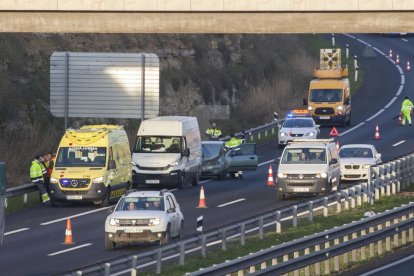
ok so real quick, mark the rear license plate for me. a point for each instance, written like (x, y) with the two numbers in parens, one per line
(152, 181)
(300, 189)
(133, 230)
(74, 197)
(324, 117)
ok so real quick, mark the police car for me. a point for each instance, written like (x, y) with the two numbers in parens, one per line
(298, 124)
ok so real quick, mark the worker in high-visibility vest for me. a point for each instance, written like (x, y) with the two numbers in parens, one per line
(406, 108)
(37, 172)
(232, 143)
(213, 133)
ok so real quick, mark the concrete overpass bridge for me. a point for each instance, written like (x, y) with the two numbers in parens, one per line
(207, 16)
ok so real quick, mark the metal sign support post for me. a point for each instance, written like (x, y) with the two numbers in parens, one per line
(66, 90)
(143, 88)
(2, 200)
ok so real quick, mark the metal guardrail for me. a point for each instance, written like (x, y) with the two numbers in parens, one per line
(29, 188)
(386, 179)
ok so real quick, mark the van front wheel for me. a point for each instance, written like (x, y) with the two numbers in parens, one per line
(181, 182)
(196, 180)
(107, 200)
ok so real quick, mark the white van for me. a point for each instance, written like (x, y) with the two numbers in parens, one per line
(167, 152)
(308, 167)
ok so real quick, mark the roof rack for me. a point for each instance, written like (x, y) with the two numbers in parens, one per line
(313, 140)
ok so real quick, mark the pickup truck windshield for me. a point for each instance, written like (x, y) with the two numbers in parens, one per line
(159, 144)
(304, 156)
(326, 95)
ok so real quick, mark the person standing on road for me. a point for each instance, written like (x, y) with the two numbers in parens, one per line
(406, 109)
(213, 133)
(232, 143)
(37, 171)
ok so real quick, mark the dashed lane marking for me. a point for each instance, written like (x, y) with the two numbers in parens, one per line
(69, 249)
(75, 216)
(399, 143)
(231, 202)
(16, 231)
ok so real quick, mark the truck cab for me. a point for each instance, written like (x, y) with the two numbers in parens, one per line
(329, 97)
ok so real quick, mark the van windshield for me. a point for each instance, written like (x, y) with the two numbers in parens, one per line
(81, 157)
(304, 156)
(159, 144)
(326, 95)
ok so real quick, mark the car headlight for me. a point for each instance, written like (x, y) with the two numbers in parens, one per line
(154, 221)
(310, 108)
(310, 134)
(340, 107)
(324, 175)
(53, 180)
(114, 222)
(98, 180)
(366, 166)
(283, 134)
(173, 164)
(281, 175)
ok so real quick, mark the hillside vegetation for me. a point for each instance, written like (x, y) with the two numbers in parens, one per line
(253, 74)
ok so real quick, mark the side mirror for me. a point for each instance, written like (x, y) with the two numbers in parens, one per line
(186, 152)
(111, 165)
(275, 116)
(304, 102)
(333, 161)
(317, 126)
(346, 102)
(171, 210)
(378, 155)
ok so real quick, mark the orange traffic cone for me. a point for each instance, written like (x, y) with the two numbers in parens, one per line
(202, 201)
(377, 135)
(270, 181)
(408, 66)
(397, 59)
(337, 145)
(68, 232)
(390, 53)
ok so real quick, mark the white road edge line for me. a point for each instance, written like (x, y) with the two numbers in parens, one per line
(375, 115)
(399, 143)
(231, 202)
(75, 216)
(373, 272)
(405, 40)
(352, 129)
(267, 162)
(69, 249)
(16, 231)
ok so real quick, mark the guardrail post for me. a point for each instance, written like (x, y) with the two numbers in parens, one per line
(379, 243)
(310, 203)
(336, 258)
(387, 239)
(317, 265)
(325, 206)
(25, 199)
(278, 223)
(404, 233)
(363, 249)
(261, 228)
(252, 269)
(285, 259)
(182, 254)
(353, 253)
(296, 255)
(346, 202)
(359, 196)
(371, 245)
(393, 188)
(396, 239)
(204, 246)
(327, 262)
(107, 269)
(134, 261)
(224, 239)
(345, 258)
(338, 203)
(307, 270)
(411, 230)
(263, 265)
(266, 133)
(259, 136)
(377, 194)
(159, 261)
(352, 198)
(295, 216)
(243, 234)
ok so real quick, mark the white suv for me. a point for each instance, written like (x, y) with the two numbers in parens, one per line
(144, 216)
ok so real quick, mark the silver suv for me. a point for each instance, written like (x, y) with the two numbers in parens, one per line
(144, 216)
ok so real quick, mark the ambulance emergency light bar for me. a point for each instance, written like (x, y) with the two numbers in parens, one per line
(298, 113)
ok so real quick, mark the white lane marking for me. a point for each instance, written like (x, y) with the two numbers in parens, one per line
(374, 272)
(391, 102)
(375, 115)
(405, 40)
(352, 129)
(69, 249)
(351, 36)
(378, 50)
(400, 70)
(75, 216)
(16, 231)
(231, 202)
(267, 162)
(400, 90)
(402, 79)
(399, 143)
(363, 42)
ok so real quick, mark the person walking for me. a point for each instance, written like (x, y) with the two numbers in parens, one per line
(37, 172)
(232, 143)
(406, 109)
(213, 133)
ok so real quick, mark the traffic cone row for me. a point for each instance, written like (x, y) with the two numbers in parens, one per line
(397, 59)
(408, 68)
(377, 135)
(68, 232)
(202, 201)
(390, 55)
(270, 180)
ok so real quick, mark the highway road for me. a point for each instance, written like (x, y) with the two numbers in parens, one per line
(33, 241)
